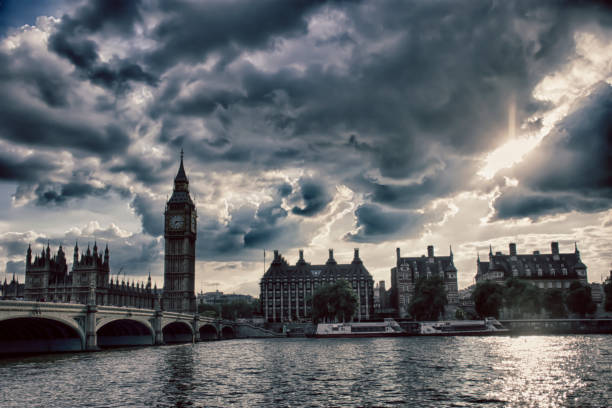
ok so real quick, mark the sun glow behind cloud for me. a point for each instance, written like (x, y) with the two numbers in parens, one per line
(593, 64)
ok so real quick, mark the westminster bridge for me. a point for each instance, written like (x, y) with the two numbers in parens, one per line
(48, 327)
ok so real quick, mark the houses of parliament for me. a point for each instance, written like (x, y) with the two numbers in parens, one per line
(48, 278)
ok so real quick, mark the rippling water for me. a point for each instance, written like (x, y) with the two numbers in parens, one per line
(453, 371)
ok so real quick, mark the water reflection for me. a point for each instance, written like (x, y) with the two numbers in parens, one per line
(498, 371)
(176, 372)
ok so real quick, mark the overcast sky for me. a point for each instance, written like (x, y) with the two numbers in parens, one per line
(306, 124)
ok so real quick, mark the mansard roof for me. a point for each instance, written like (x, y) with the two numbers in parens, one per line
(423, 264)
(528, 265)
(280, 269)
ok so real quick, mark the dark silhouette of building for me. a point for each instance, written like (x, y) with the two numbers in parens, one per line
(180, 237)
(48, 280)
(554, 270)
(12, 290)
(408, 270)
(286, 289)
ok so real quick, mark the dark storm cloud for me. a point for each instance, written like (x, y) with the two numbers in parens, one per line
(150, 213)
(109, 17)
(445, 179)
(223, 239)
(58, 194)
(269, 226)
(374, 223)
(26, 122)
(83, 54)
(315, 196)
(115, 16)
(519, 203)
(571, 169)
(41, 75)
(285, 189)
(16, 268)
(14, 243)
(30, 125)
(143, 169)
(248, 229)
(33, 167)
(422, 87)
(189, 31)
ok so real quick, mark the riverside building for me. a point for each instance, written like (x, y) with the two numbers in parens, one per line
(547, 271)
(409, 270)
(286, 290)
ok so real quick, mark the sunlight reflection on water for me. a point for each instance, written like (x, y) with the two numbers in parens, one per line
(461, 371)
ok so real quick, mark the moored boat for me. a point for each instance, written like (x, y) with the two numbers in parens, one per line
(488, 326)
(387, 328)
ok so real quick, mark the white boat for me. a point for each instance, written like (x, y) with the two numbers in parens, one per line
(487, 326)
(387, 328)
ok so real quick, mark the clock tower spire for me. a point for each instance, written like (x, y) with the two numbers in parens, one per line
(180, 235)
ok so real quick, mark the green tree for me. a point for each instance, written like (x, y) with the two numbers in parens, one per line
(334, 302)
(429, 299)
(554, 303)
(579, 299)
(239, 309)
(488, 298)
(209, 310)
(608, 293)
(521, 297)
(530, 301)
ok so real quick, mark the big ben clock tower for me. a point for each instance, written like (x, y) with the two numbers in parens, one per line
(180, 237)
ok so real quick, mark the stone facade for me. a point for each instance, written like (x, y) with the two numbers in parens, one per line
(554, 270)
(285, 289)
(408, 270)
(180, 235)
(48, 280)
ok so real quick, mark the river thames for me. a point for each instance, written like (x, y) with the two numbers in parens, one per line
(453, 371)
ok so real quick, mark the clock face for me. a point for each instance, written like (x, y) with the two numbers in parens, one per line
(177, 222)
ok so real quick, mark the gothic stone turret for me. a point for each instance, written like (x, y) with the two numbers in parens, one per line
(92, 270)
(47, 277)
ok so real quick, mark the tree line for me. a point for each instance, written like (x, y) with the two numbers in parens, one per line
(232, 310)
(337, 301)
(523, 299)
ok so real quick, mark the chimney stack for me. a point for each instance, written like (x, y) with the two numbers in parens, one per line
(512, 248)
(430, 251)
(356, 253)
(554, 247)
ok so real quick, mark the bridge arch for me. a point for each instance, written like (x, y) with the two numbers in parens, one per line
(28, 334)
(208, 332)
(178, 332)
(227, 332)
(118, 332)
